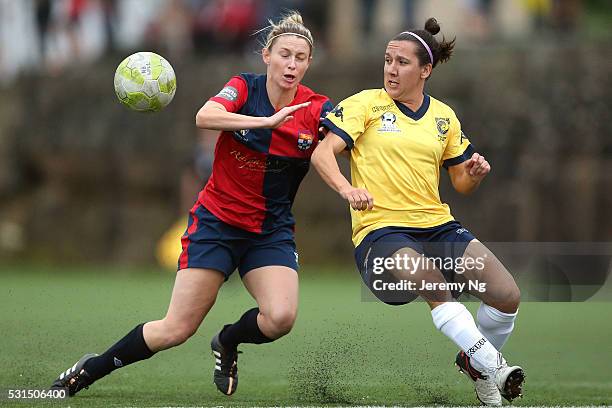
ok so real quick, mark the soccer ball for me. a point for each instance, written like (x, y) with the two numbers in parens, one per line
(145, 82)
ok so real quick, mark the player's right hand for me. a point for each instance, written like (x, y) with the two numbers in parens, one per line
(360, 199)
(284, 115)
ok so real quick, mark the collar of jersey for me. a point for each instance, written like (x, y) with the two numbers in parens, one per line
(415, 115)
(261, 83)
(266, 97)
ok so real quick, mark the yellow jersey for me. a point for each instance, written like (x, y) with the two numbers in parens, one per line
(396, 154)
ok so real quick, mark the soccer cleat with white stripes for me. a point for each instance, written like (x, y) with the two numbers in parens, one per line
(486, 389)
(225, 375)
(75, 378)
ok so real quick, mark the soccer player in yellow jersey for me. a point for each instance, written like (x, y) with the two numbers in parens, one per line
(407, 242)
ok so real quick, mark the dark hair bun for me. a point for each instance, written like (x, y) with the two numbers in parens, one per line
(432, 26)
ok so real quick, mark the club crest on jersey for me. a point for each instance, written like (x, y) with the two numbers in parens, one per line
(387, 120)
(305, 140)
(443, 125)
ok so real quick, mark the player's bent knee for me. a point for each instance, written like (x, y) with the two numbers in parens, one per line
(280, 322)
(176, 334)
(514, 298)
(509, 300)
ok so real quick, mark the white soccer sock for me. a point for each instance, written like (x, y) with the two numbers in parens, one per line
(457, 323)
(495, 325)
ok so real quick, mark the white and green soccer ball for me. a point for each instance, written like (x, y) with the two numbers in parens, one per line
(145, 82)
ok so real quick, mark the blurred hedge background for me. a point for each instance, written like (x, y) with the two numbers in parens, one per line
(82, 179)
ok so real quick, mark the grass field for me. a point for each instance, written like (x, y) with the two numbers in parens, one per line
(342, 351)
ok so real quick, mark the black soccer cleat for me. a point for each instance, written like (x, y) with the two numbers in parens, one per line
(225, 375)
(75, 378)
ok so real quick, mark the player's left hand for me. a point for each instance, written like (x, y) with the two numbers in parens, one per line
(477, 167)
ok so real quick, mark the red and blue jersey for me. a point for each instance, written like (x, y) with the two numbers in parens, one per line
(257, 172)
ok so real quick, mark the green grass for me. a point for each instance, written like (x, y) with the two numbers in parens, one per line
(342, 351)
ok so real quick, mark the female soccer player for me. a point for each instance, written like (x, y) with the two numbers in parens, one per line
(407, 242)
(242, 218)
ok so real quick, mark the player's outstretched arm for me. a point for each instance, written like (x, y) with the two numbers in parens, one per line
(466, 176)
(324, 160)
(214, 116)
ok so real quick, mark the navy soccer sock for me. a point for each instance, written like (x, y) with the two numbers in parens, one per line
(244, 330)
(128, 350)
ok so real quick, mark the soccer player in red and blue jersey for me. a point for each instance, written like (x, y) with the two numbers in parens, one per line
(242, 218)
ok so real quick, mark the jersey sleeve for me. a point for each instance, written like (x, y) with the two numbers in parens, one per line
(325, 109)
(348, 119)
(233, 95)
(458, 149)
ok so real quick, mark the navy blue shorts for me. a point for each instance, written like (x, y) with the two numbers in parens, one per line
(446, 241)
(213, 244)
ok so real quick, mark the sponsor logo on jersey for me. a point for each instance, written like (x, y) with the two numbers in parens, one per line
(382, 108)
(305, 140)
(387, 120)
(242, 135)
(267, 165)
(338, 112)
(229, 92)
